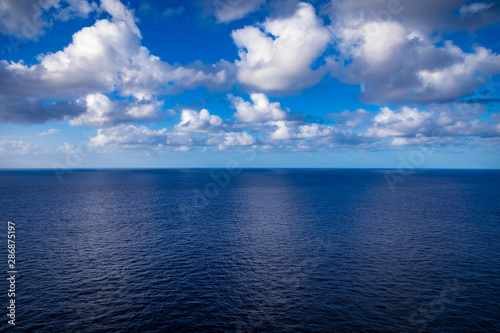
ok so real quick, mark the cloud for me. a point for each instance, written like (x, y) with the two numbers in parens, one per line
(463, 120)
(474, 8)
(277, 55)
(143, 138)
(28, 19)
(50, 131)
(238, 139)
(408, 121)
(279, 125)
(192, 121)
(104, 58)
(314, 131)
(440, 125)
(424, 16)
(259, 110)
(226, 11)
(93, 62)
(75, 8)
(350, 118)
(120, 13)
(312, 136)
(31, 110)
(411, 126)
(13, 147)
(102, 111)
(105, 78)
(128, 135)
(418, 140)
(283, 130)
(375, 55)
(460, 78)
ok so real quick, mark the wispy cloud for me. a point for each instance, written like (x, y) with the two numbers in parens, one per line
(50, 131)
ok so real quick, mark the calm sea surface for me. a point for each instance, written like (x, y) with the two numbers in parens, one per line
(253, 251)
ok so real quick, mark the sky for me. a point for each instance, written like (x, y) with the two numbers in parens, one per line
(283, 83)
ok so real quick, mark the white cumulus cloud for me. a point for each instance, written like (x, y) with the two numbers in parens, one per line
(128, 135)
(277, 55)
(101, 111)
(203, 121)
(396, 65)
(259, 110)
(238, 139)
(104, 58)
(408, 121)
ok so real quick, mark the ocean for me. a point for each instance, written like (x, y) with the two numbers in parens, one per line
(252, 250)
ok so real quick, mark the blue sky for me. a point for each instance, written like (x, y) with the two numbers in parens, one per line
(283, 83)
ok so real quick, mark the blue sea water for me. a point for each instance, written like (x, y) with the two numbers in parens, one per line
(253, 250)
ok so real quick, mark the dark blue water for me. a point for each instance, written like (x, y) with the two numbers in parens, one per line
(253, 251)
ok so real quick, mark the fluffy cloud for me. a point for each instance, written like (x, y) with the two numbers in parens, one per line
(28, 18)
(314, 131)
(259, 110)
(408, 121)
(102, 111)
(413, 126)
(144, 138)
(463, 120)
(424, 16)
(105, 77)
(373, 41)
(238, 139)
(192, 121)
(128, 135)
(385, 74)
(279, 125)
(119, 13)
(439, 125)
(93, 62)
(104, 58)
(460, 78)
(376, 44)
(283, 130)
(277, 56)
(313, 135)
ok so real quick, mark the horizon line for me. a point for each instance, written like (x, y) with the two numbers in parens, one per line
(236, 167)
